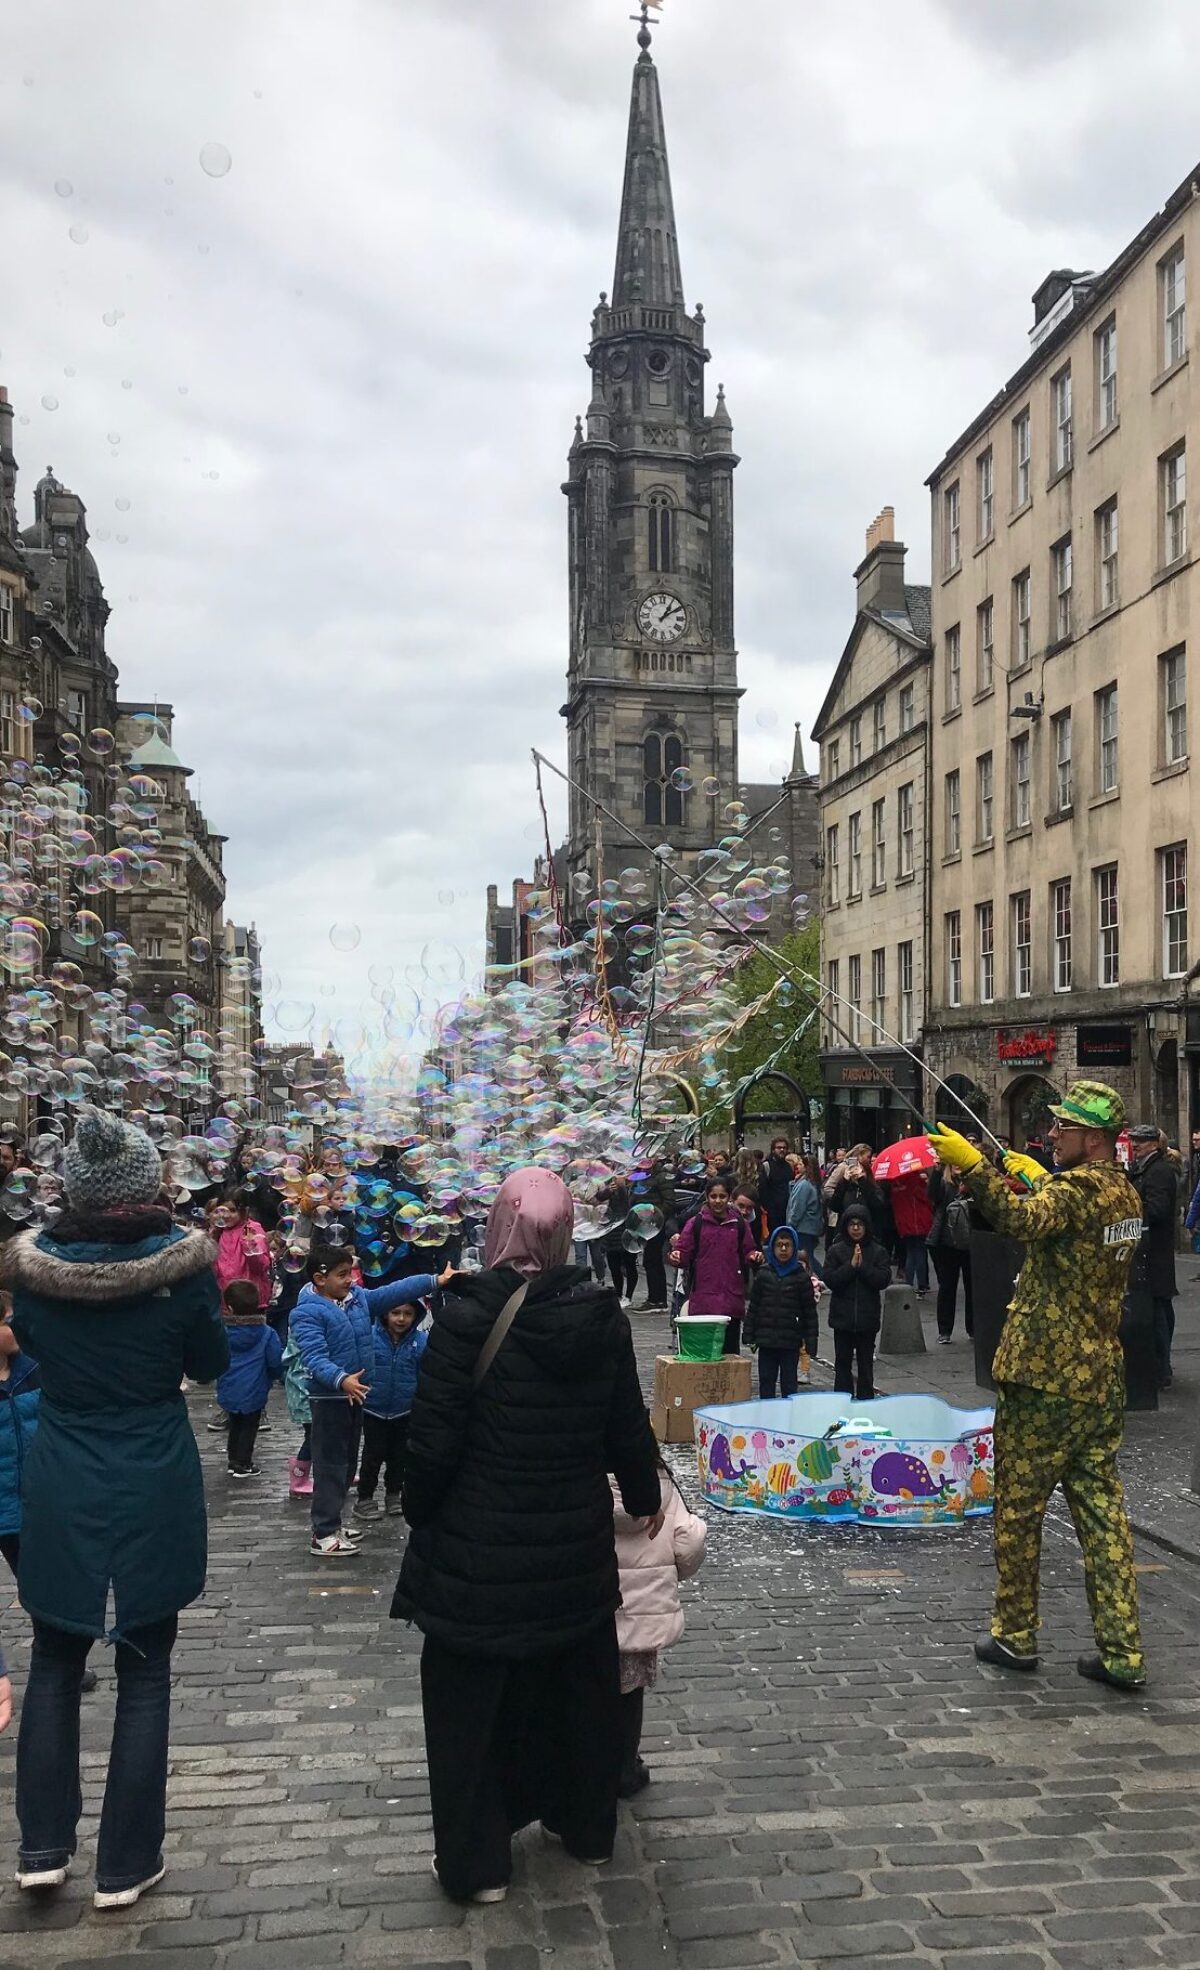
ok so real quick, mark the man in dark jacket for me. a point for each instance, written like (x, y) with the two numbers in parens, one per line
(857, 1268)
(775, 1183)
(1152, 1174)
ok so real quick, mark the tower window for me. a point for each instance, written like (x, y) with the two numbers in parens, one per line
(662, 793)
(661, 522)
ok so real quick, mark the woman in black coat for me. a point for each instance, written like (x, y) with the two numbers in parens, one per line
(511, 1570)
(857, 1269)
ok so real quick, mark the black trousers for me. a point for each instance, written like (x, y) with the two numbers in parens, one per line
(780, 1365)
(632, 1707)
(732, 1344)
(242, 1432)
(512, 1742)
(1164, 1334)
(851, 1352)
(950, 1266)
(10, 1547)
(622, 1270)
(656, 1271)
(384, 1439)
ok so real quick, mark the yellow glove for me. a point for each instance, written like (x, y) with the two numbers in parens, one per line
(954, 1149)
(1030, 1171)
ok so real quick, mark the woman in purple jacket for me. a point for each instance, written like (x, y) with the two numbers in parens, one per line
(717, 1248)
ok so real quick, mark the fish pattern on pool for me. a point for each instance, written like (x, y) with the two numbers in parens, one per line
(901, 1461)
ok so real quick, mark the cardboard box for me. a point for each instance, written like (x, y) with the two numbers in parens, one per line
(682, 1387)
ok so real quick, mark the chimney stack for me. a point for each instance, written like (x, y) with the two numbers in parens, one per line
(880, 574)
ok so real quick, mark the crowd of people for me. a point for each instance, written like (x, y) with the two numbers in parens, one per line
(546, 1538)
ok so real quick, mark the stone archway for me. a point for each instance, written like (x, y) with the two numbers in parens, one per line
(1027, 1103)
(949, 1110)
(795, 1120)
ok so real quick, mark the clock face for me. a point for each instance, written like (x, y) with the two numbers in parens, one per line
(662, 618)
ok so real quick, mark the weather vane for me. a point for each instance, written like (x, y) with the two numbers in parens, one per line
(648, 7)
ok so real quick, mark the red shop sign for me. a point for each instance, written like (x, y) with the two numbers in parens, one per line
(1029, 1045)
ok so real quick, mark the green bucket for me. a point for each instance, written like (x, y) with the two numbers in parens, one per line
(701, 1339)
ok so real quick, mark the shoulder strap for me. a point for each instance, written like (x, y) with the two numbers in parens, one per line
(503, 1321)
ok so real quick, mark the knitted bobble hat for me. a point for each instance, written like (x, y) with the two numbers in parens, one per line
(109, 1163)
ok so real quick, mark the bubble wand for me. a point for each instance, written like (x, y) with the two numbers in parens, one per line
(826, 995)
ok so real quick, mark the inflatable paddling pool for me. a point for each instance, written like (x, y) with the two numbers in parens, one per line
(904, 1460)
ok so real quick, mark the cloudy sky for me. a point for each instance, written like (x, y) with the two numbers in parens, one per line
(336, 382)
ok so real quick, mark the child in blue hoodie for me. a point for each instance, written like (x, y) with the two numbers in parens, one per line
(400, 1341)
(255, 1361)
(332, 1326)
(782, 1319)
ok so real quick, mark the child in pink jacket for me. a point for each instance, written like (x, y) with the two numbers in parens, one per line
(650, 1617)
(242, 1248)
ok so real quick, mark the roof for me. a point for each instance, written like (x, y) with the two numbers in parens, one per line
(1101, 286)
(920, 609)
(156, 752)
(912, 629)
(647, 268)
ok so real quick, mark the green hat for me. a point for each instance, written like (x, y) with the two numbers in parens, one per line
(1093, 1105)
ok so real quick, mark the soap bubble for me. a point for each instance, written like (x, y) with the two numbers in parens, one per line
(710, 786)
(86, 928)
(79, 234)
(215, 160)
(64, 187)
(100, 742)
(199, 950)
(345, 936)
(681, 779)
(49, 403)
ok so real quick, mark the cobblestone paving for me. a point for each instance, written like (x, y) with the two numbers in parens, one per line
(836, 1782)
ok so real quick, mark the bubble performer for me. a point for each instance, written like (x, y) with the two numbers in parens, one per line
(1060, 1372)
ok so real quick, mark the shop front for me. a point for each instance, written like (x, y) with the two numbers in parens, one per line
(866, 1100)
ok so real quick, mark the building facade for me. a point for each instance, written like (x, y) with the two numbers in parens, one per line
(652, 691)
(174, 920)
(873, 732)
(1061, 811)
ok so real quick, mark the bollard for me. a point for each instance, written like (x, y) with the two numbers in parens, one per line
(901, 1331)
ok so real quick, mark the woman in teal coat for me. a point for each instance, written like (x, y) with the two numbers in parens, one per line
(116, 1305)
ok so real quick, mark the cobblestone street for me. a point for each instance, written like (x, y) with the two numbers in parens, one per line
(836, 1782)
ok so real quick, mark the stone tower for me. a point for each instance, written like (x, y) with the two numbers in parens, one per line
(652, 694)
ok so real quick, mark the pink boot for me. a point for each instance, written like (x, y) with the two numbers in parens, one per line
(299, 1478)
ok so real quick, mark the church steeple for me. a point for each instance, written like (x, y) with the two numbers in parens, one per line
(647, 246)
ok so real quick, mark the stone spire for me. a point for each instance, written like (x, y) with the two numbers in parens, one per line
(647, 247)
(799, 769)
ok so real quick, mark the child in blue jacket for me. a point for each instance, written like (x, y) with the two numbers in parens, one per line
(400, 1342)
(255, 1361)
(331, 1324)
(20, 1395)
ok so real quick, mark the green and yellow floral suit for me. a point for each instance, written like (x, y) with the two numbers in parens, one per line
(1060, 1415)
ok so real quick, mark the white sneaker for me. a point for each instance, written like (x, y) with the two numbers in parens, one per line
(353, 1532)
(43, 1877)
(335, 1547)
(125, 1897)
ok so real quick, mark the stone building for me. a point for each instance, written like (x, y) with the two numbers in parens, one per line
(1063, 822)
(241, 1024)
(873, 731)
(175, 918)
(784, 824)
(652, 690)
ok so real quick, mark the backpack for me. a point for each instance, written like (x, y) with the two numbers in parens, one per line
(958, 1224)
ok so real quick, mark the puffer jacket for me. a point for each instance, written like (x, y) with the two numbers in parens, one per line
(20, 1395)
(506, 1487)
(394, 1370)
(336, 1339)
(114, 1497)
(783, 1307)
(255, 1361)
(856, 1291)
(650, 1615)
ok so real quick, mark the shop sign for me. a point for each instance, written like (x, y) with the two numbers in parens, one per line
(1104, 1046)
(855, 1073)
(1030, 1045)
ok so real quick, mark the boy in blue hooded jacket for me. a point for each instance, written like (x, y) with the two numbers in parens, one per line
(400, 1341)
(782, 1317)
(255, 1361)
(332, 1325)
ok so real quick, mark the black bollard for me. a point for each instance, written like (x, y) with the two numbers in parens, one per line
(995, 1263)
(1137, 1334)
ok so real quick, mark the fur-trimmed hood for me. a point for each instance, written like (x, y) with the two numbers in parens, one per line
(99, 1272)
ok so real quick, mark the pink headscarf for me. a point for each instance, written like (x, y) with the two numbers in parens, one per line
(530, 1224)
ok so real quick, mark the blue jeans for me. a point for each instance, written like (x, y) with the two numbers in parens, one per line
(916, 1263)
(49, 1802)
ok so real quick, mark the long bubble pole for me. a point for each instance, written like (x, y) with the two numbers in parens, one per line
(783, 966)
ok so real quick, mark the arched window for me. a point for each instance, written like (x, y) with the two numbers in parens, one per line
(662, 794)
(661, 520)
(652, 771)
